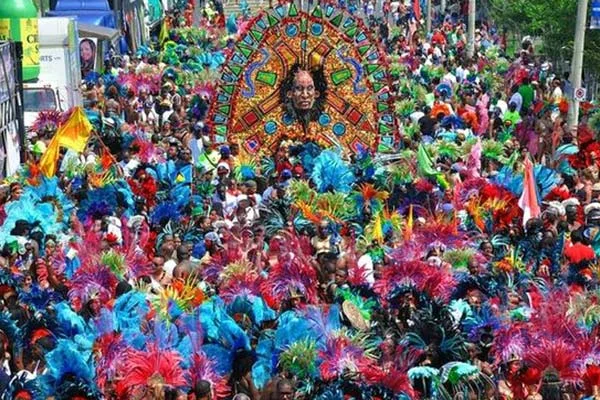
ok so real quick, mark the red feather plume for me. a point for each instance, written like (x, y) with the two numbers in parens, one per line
(150, 369)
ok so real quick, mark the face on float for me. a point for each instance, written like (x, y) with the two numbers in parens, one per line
(303, 93)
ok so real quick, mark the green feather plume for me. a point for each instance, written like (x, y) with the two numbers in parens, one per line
(115, 261)
(594, 122)
(404, 107)
(459, 258)
(448, 149)
(492, 149)
(300, 359)
(300, 190)
(364, 306)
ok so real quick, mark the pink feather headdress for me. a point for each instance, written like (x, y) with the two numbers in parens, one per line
(436, 282)
(203, 368)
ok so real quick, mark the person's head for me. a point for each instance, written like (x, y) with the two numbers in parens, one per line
(16, 191)
(182, 271)
(556, 82)
(322, 229)
(158, 261)
(285, 390)
(27, 279)
(183, 253)
(201, 390)
(341, 276)
(223, 170)
(486, 248)
(251, 187)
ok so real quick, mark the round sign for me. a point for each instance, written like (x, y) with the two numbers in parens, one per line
(579, 94)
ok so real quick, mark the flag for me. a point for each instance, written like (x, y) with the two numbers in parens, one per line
(417, 9)
(74, 134)
(409, 224)
(163, 36)
(528, 201)
(49, 159)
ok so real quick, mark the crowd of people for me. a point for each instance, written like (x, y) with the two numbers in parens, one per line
(458, 261)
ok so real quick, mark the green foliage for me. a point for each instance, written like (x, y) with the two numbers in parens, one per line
(553, 21)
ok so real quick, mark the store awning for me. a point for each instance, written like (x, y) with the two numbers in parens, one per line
(95, 31)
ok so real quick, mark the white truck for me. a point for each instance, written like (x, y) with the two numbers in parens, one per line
(58, 85)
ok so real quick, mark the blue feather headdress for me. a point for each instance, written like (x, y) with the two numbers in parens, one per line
(48, 191)
(70, 373)
(23, 386)
(9, 328)
(38, 299)
(331, 173)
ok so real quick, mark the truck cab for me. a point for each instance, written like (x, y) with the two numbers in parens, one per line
(39, 97)
(57, 87)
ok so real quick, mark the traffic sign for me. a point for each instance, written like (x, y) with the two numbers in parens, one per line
(580, 94)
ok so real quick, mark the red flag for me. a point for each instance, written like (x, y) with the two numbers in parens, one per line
(528, 201)
(417, 9)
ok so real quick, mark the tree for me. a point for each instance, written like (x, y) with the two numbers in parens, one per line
(553, 21)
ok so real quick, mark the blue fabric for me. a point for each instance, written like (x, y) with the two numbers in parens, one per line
(70, 5)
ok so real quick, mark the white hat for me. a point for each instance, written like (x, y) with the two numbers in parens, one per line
(591, 207)
(556, 205)
(224, 165)
(573, 201)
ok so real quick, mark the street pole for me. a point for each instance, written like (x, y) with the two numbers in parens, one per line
(471, 30)
(577, 63)
(428, 19)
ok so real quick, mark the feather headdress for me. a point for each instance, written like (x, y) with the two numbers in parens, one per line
(203, 368)
(153, 370)
(239, 279)
(47, 121)
(558, 355)
(436, 282)
(70, 372)
(20, 387)
(290, 273)
(331, 173)
(92, 281)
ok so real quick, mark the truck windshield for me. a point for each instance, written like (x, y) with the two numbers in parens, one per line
(39, 99)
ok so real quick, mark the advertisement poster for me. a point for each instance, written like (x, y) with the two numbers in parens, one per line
(7, 82)
(4, 29)
(29, 37)
(87, 54)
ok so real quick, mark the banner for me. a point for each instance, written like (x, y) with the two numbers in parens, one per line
(7, 83)
(29, 37)
(4, 29)
(595, 20)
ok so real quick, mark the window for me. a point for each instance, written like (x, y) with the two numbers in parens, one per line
(39, 99)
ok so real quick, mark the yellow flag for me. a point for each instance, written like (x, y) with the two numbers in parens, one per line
(163, 36)
(74, 134)
(378, 228)
(49, 159)
(409, 224)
